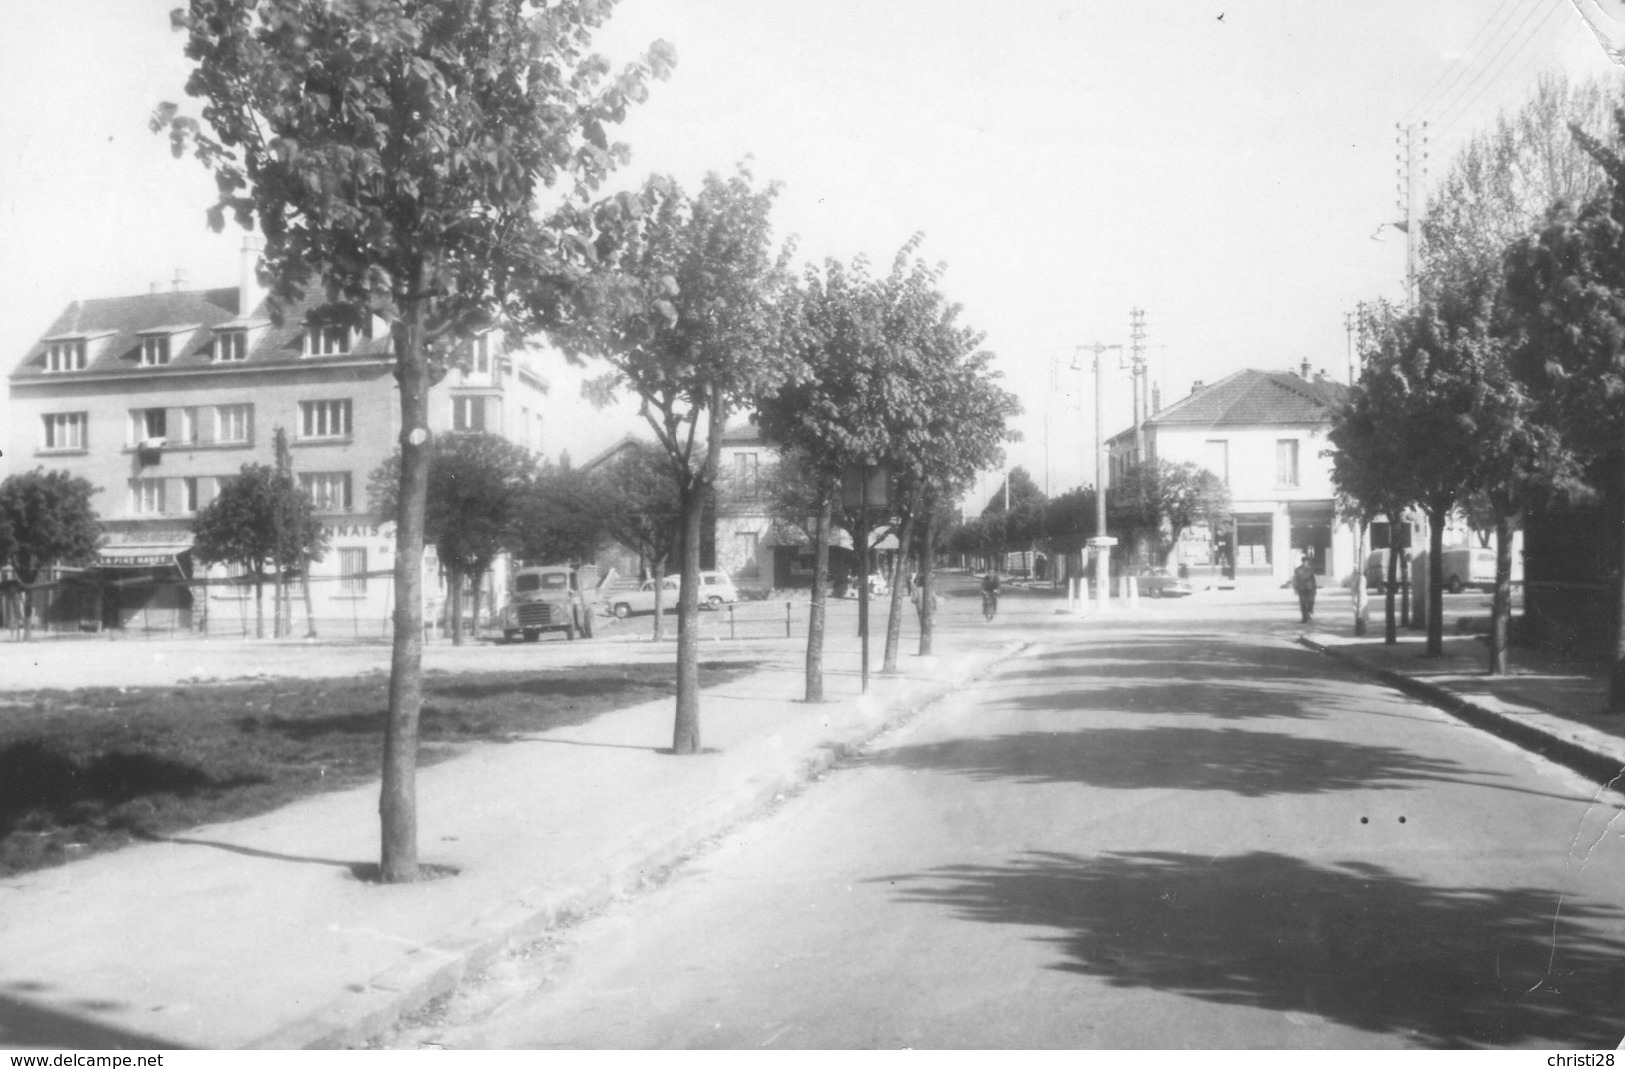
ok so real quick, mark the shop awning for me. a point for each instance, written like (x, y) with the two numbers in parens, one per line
(148, 555)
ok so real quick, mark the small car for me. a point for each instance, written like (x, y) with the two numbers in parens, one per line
(1161, 583)
(716, 590)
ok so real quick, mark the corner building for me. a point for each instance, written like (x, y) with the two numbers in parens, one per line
(159, 399)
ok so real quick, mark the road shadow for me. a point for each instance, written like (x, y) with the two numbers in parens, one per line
(1357, 944)
(1176, 695)
(26, 1022)
(1251, 764)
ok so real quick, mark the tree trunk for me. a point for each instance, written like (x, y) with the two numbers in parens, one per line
(1435, 600)
(894, 618)
(1501, 606)
(277, 628)
(454, 605)
(1616, 508)
(474, 611)
(259, 604)
(310, 607)
(397, 802)
(928, 562)
(660, 596)
(815, 613)
(1360, 601)
(1391, 582)
(686, 729)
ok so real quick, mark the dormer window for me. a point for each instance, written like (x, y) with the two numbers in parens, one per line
(327, 339)
(230, 346)
(67, 354)
(154, 350)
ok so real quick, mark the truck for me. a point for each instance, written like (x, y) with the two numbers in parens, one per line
(552, 597)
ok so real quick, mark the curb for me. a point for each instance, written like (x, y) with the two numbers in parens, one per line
(437, 969)
(1575, 754)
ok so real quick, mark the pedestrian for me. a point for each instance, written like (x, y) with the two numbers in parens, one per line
(1305, 584)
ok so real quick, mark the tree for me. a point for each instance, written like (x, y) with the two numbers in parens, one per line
(1157, 501)
(686, 316)
(240, 526)
(395, 154)
(823, 420)
(562, 517)
(1565, 293)
(642, 510)
(477, 487)
(46, 520)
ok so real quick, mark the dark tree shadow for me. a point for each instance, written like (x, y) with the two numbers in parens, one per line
(1237, 700)
(25, 1022)
(1354, 943)
(1252, 764)
(34, 778)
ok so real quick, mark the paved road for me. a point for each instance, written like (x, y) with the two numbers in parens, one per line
(1175, 829)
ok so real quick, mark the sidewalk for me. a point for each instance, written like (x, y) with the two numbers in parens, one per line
(260, 934)
(1545, 703)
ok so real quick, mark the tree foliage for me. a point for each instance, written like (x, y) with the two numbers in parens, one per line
(46, 520)
(240, 527)
(1157, 501)
(396, 155)
(477, 490)
(685, 312)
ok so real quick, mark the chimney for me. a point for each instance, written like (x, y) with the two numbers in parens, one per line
(1197, 385)
(1303, 369)
(1156, 398)
(180, 279)
(250, 294)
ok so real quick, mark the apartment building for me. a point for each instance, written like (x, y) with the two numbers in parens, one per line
(1263, 433)
(158, 399)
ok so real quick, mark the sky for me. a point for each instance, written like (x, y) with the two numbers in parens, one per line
(1220, 164)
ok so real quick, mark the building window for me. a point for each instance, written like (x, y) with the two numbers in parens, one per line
(189, 495)
(68, 355)
(233, 424)
(230, 346)
(468, 414)
(1217, 454)
(482, 354)
(324, 419)
(329, 491)
(154, 350)
(147, 496)
(330, 339)
(352, 571)
(64, 430)
(1286, 462)
(745, 543)
(147, 424)
(188, 427)
(745, 474)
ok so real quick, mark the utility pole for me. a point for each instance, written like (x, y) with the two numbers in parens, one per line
(1348, 328)
(1101, 544)
(1412, 158)
(1136, 334)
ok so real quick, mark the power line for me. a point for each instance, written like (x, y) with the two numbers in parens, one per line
(1458, 109)
(1574, 30)
(1455, 71)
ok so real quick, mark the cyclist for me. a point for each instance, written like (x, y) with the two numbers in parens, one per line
(990, 593)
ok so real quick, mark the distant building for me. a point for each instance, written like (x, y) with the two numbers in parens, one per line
(158, 399)
(1263, 434)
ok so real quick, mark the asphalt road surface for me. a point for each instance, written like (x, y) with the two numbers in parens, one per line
(1174, 829)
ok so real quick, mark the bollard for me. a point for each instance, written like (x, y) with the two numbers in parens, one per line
(731, 634)
(787, 606)
(1133, 591)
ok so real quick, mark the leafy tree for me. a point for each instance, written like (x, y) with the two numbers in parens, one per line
(562, 517)
(240, 526)
(477, 488)
(1157, 501)
(686, 315)
(46, 520)
(1565, 294)
(642, 511)
(824, 420)
(395, 155)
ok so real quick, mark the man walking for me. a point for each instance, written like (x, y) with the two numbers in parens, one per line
(1305, 584)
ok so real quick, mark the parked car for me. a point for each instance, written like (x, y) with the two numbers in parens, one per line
(1474, 566)
(1161, 583)
(716, 590)
(1376, 570)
